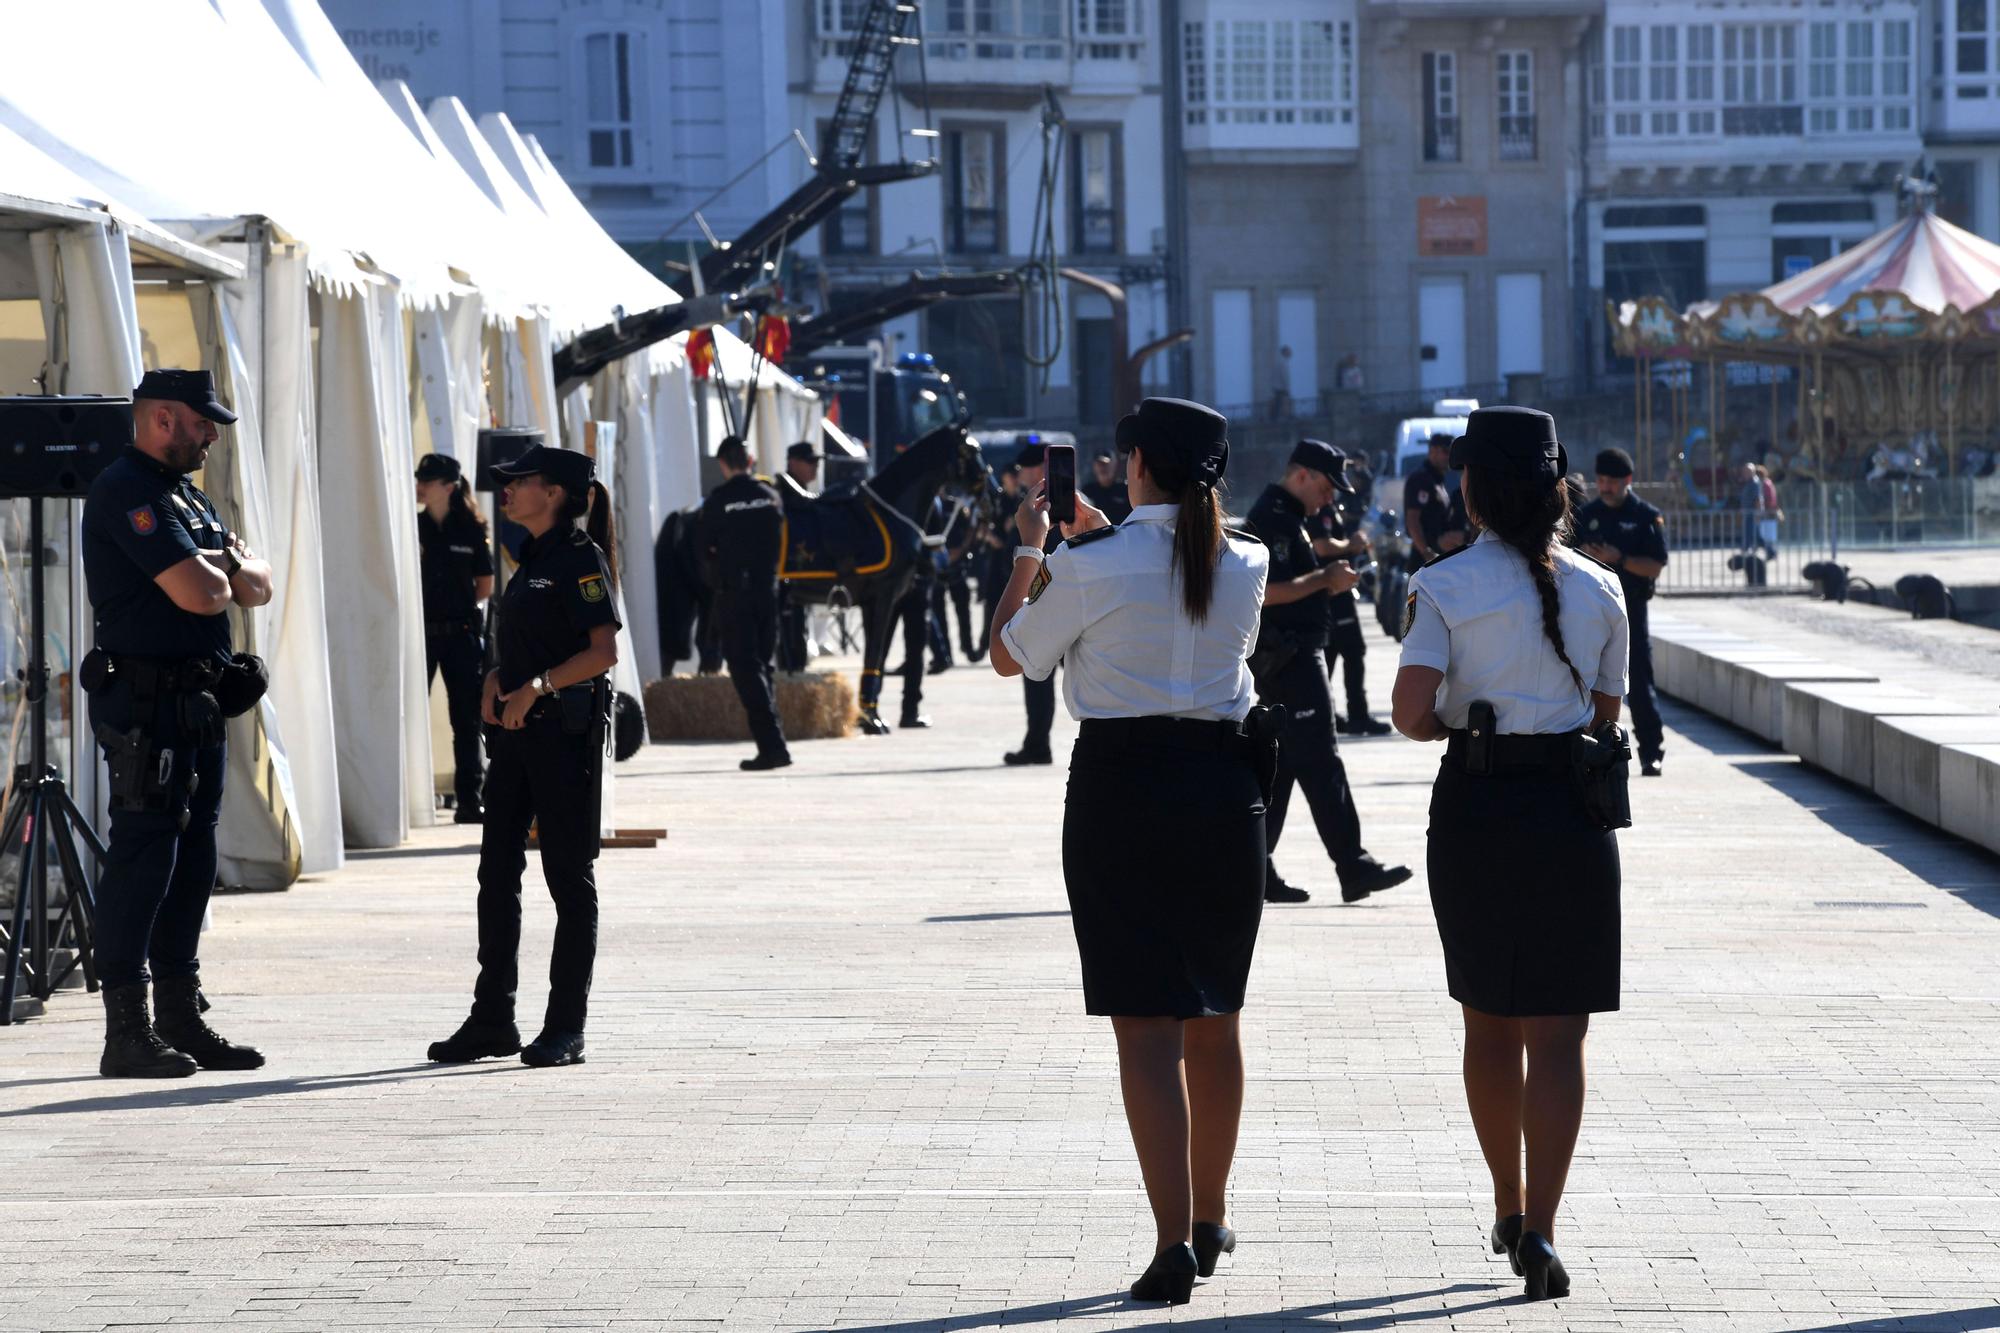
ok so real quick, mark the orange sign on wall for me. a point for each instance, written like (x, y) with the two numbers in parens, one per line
(1451, 224)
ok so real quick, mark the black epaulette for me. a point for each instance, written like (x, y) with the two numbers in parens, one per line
(1243, 534)
(1446, 555)
(1579, 551)
(1094, 535)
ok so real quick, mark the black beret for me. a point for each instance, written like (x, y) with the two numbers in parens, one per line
(1614, 463)
(567, 468)
(1190, 434)
(1324, 458)
(196, 388)
(1512, 439)
(438, 467)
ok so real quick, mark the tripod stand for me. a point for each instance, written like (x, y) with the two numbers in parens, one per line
(41, 821)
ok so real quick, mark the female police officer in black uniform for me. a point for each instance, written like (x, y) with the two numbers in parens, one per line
(457, 569)
(546, 707)
(1153, 621)
(1514, 647)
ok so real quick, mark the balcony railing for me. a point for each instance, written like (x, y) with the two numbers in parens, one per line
(1517, 138)
(1763, 121)
(1441, 139)
(975, 231)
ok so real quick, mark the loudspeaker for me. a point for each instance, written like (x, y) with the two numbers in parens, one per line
(500, 446)
(54, 447)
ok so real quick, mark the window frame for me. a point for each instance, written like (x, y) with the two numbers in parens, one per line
(1436, 93)
(1514, 81)
(1114, 134)
(639, 70)
(952, 132)
(868, 201)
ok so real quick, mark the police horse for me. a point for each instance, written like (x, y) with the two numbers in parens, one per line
(857, 546)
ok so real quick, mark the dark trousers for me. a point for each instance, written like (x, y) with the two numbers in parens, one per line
(793, 652)
(1041, 700)
(157, 875)
(544, 776)
(1308, 756)
(1646, 726)
(913, 614)
(749, 619)
(461, 656)
(1346, 644)
(940, 634)
(958, 587)
(994, 572)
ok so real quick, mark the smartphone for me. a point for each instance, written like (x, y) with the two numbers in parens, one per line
(1062, 483)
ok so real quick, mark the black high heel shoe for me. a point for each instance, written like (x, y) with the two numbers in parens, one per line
(1211, 1241)
(1169, 1278)
(1540, 1265)
(1507, 1239)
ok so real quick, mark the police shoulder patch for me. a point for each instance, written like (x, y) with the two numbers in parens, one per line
(1042, 580)
(143, 520)
(592, 587)
(1409, 615)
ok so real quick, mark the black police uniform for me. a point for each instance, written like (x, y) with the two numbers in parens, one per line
(742, 525)
(956, 582)
(996, 564)
(547, 774)
(142, 518)
(1429, 493)
(1636, 529)
(453, 554)
(1288, 672)
(1344, 643)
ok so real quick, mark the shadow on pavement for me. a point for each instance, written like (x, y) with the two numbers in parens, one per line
(180, 1093)
(1052, 1311)
(989, 916)
(1945, 1321)
(399, 853)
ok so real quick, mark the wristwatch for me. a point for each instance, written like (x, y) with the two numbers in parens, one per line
(235, 565)
(542, 685)
(1028, 553)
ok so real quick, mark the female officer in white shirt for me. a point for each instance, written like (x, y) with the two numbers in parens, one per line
(1153, 621)
(1524, 876)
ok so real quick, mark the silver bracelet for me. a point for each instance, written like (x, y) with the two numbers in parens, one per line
(1028, 553)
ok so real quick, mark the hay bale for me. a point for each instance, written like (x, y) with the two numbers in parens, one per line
(812, 705)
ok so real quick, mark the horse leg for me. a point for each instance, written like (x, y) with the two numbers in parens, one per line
(874, 650)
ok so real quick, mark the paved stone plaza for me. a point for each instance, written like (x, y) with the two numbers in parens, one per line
(839, 1077)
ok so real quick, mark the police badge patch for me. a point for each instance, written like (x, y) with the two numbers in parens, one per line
(142, 520)
(592, 587)
(1041, 582)
(1409, 615)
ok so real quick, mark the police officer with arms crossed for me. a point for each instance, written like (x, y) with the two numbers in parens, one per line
(1630, 535)
(162, 572)
(1514, 652)
(1288, 671)
(1428, 505)
(1154, 618)
(547, 709)
(456, 562)
(741, 527)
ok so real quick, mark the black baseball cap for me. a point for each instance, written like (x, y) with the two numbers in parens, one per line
(438, 467)
(1033, 454)
(1521, 440)
(1191, 434)
(565, 467)
(1614, 463)
(196, 388)
(803, 449)
(1323, 458)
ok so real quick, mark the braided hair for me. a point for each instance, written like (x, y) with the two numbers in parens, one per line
(1532, 516)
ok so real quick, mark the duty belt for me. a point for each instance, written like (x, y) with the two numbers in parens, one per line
(168, 675)
(1177, 733)
(437, 627)
(1543, 751)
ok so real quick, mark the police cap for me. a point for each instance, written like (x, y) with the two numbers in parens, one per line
(438, 467)
(1033, 454)
(802, 450)
(196, 388)
(1520, 440)
(1189, 434)
(1614, 463)
(1323, 458)
(567, 468)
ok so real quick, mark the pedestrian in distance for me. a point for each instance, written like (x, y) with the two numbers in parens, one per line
(547, 709)
(739, 533)
(455, 562)
(162, 571)
(1514, 656)
(1429, 503)
(1288, 671)
(1624, 532)
(1176, 756)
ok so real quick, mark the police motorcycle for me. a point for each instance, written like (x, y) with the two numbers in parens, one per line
(1386, 582)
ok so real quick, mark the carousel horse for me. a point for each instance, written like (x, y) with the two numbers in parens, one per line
(857, 546)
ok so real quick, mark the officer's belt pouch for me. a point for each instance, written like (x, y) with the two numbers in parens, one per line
(579, 707)
(1263, 725)
(95, 671)
(142, 774)
(1601, 763)
(201, 717)
(242, 684)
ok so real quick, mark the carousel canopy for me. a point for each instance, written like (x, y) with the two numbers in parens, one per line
(1921, 281)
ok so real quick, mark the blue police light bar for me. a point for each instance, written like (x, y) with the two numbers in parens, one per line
(917, 360)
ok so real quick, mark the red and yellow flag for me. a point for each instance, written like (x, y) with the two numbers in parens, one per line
(701, 352)
(774, 338)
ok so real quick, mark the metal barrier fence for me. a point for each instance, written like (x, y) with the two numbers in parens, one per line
(1734, 550)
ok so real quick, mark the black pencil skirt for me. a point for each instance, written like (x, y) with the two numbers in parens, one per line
(1163, 856)
(1525, 889)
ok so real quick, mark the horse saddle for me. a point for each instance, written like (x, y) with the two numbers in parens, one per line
(839, 536)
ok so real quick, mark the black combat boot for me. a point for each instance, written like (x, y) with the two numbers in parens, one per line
(178, 1001)
(131, 1048)
(476, 1039)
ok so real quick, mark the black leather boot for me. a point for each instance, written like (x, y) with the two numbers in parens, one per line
(178, 1002)
(132, 1049)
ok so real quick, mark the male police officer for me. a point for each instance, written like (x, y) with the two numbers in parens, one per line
(794, 644)
(1630, 535)
(1336, 536)
(1427, 505)
(741, 526)
(162, 573)
(1032, 464)
(1287, 669)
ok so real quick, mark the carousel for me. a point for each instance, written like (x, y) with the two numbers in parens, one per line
(1890, 354)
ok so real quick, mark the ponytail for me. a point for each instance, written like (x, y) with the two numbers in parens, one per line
(593, 507)
(1532, 517)
(463, 500)
(1197, 534)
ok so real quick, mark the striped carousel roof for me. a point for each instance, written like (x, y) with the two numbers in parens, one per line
(1931, 262)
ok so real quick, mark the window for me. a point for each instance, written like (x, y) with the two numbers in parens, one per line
(1625, 70)
(850, 229)
(995, 29)
(1194, 67)
(1663, 79)
(1806, 232)
(1249, 67)
(1269, 72)
(611, 101)
(1760, 79)
(1653, 254)
(1108, 29)
(972, 206)
(1514, 82)
(1860, 81)
(1440, 106)
(840, 18)
(1822, 82)
(1701, 118)
(1974, 53)
(1093, 192)
(1897, 81)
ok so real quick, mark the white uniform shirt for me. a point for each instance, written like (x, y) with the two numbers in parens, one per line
(1112, 615)
(1476, 616)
